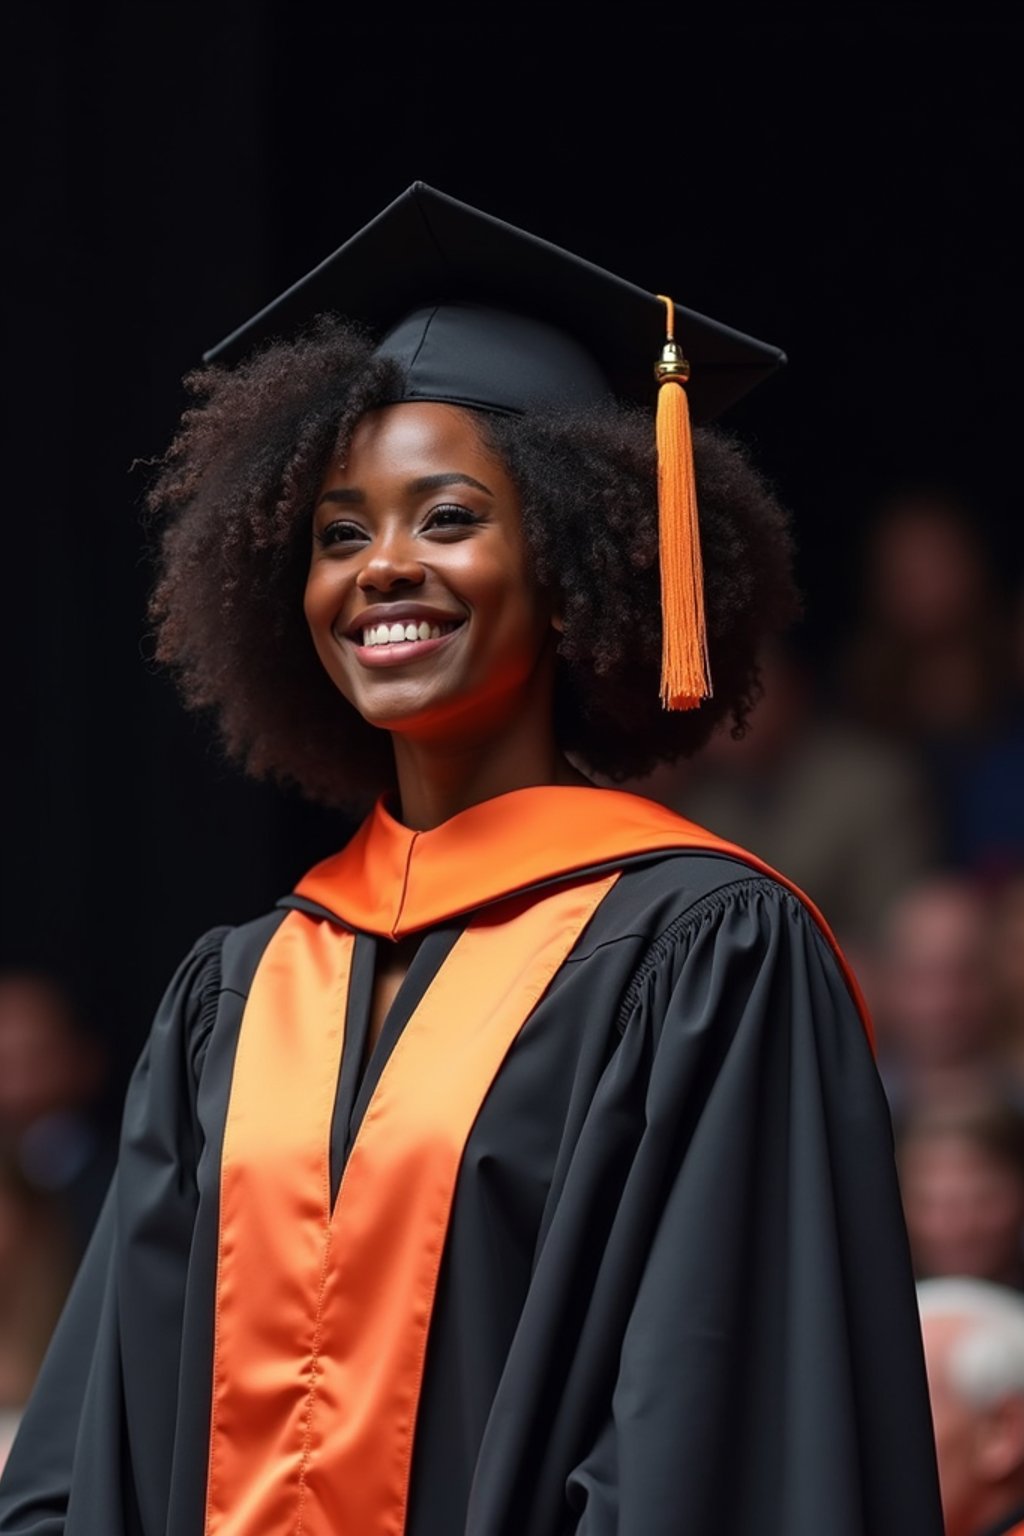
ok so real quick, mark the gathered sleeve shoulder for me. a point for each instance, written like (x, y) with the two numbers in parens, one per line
(770, 1375)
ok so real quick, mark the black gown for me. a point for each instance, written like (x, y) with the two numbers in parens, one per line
(675, 1296)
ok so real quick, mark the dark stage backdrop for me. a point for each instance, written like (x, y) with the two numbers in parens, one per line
(845, 186)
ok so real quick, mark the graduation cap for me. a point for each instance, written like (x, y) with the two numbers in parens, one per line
(481, 314)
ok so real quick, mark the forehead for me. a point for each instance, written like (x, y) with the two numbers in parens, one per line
(415, 437)
(937, 916)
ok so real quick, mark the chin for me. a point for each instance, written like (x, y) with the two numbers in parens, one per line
(405, 715)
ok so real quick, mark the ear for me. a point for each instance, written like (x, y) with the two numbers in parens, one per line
(1000, 1446)
(557, 622)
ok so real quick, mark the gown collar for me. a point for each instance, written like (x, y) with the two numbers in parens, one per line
(391, 880)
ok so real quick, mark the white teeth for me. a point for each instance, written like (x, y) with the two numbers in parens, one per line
(394, 634)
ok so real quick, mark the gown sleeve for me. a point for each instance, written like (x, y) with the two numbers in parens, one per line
(93, 1433)
(770, 1376)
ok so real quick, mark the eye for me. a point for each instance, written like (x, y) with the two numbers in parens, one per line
(451, 515)
(340, 533)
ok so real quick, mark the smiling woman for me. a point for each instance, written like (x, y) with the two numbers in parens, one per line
(516, 1173)
(239, 487)
(392, 551)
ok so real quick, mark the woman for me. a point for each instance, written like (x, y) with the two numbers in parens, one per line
(526, 1170)
(962, 1175)
(35, 1253)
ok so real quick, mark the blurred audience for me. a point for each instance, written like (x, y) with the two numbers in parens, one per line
(35, 1267)
(1008, 969)
(962, 1177)
(974, 1350)
(932, 666)
(933, 995)
(840, 811)
(52, 1071)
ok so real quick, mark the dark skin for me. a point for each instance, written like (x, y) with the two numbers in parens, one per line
(419, 532)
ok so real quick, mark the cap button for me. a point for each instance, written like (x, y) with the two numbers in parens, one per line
(672, 365)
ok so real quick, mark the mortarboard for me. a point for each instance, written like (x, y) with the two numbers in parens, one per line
(482, 314)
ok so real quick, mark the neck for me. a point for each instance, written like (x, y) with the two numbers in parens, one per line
(439, 778)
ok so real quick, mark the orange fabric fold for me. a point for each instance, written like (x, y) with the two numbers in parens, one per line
(274, 1229)
(390, 879)
(322, 1318)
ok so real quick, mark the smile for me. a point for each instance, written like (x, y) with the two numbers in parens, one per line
(398, 634)
(394, 645)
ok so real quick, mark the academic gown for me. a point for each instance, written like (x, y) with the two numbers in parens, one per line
(673, 1293)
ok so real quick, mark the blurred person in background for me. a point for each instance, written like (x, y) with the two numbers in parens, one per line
(52, 1072)
(934, 998)
(35, 1267)
(932, 665)
(974, 1350)
(845, 811)
(962, 1178)
(1008, 968)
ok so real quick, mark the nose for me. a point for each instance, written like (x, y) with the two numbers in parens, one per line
(390, 562)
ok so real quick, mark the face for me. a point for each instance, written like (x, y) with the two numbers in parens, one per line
(980, 1451)
(964, 1209)
(1008, 950)
(955, 1427)
(44, 1068)
(927, 575)
(419, 596)
(936, 984)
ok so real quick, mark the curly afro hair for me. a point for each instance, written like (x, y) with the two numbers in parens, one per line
(236, 491)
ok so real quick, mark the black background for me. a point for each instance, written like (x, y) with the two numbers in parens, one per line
(845, 184)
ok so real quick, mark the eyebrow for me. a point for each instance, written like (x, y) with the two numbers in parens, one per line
(347, 497)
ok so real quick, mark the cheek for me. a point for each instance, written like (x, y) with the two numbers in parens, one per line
(309, 607)
(506, 590)
(519, 627)
(477, 577)
(319, 602)
(320, 607)
(954, 1444)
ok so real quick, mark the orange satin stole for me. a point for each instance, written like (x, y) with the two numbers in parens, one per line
(322, 1317)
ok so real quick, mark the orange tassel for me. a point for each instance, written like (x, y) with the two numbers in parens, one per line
(685, 674)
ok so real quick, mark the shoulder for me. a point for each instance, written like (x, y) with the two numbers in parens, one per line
(215, 970)
(673, 891)
(726, 932)
(220, 959)
(243, 947)
(715, 896)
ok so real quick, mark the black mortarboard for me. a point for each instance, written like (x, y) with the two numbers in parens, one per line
(486, 315)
